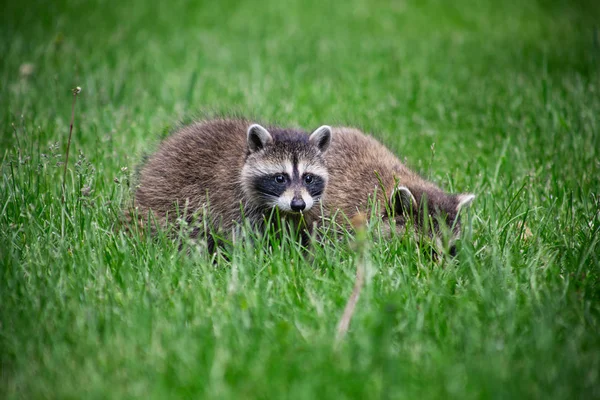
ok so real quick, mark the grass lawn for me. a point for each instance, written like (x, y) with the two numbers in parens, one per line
(497, 98)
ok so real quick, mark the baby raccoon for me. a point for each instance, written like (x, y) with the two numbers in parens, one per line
(221, 171)
(361, 168)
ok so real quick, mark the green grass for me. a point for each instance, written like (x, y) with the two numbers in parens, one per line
(498, 98)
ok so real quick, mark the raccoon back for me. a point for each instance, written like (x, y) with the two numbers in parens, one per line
(197, 166)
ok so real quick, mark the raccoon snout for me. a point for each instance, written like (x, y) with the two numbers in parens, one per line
(297, 204)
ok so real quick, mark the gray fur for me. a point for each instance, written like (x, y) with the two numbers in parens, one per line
(359, 166)
(200, 168)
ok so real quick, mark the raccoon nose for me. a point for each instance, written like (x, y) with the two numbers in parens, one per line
(297, 204)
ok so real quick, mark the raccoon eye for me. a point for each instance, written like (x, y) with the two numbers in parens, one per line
(308, 179)
(453, 251)
(279, 178)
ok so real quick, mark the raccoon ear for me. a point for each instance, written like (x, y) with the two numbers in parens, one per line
(464, 200)
(321, 137)
(402, 200)
(258, 138)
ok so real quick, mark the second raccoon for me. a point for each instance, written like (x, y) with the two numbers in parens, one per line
(360, 168)
(218, 172)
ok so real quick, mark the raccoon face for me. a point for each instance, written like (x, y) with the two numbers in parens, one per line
(434, 214)
(287, 170)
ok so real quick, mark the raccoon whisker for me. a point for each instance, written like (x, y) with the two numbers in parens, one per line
(268, 195)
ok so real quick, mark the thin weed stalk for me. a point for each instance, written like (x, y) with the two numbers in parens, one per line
(75, 91)
(359, 224)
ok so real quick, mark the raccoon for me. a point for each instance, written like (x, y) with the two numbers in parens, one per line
(218, 172)
(360, 169)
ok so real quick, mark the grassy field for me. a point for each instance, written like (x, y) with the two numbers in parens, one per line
(497, 98)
